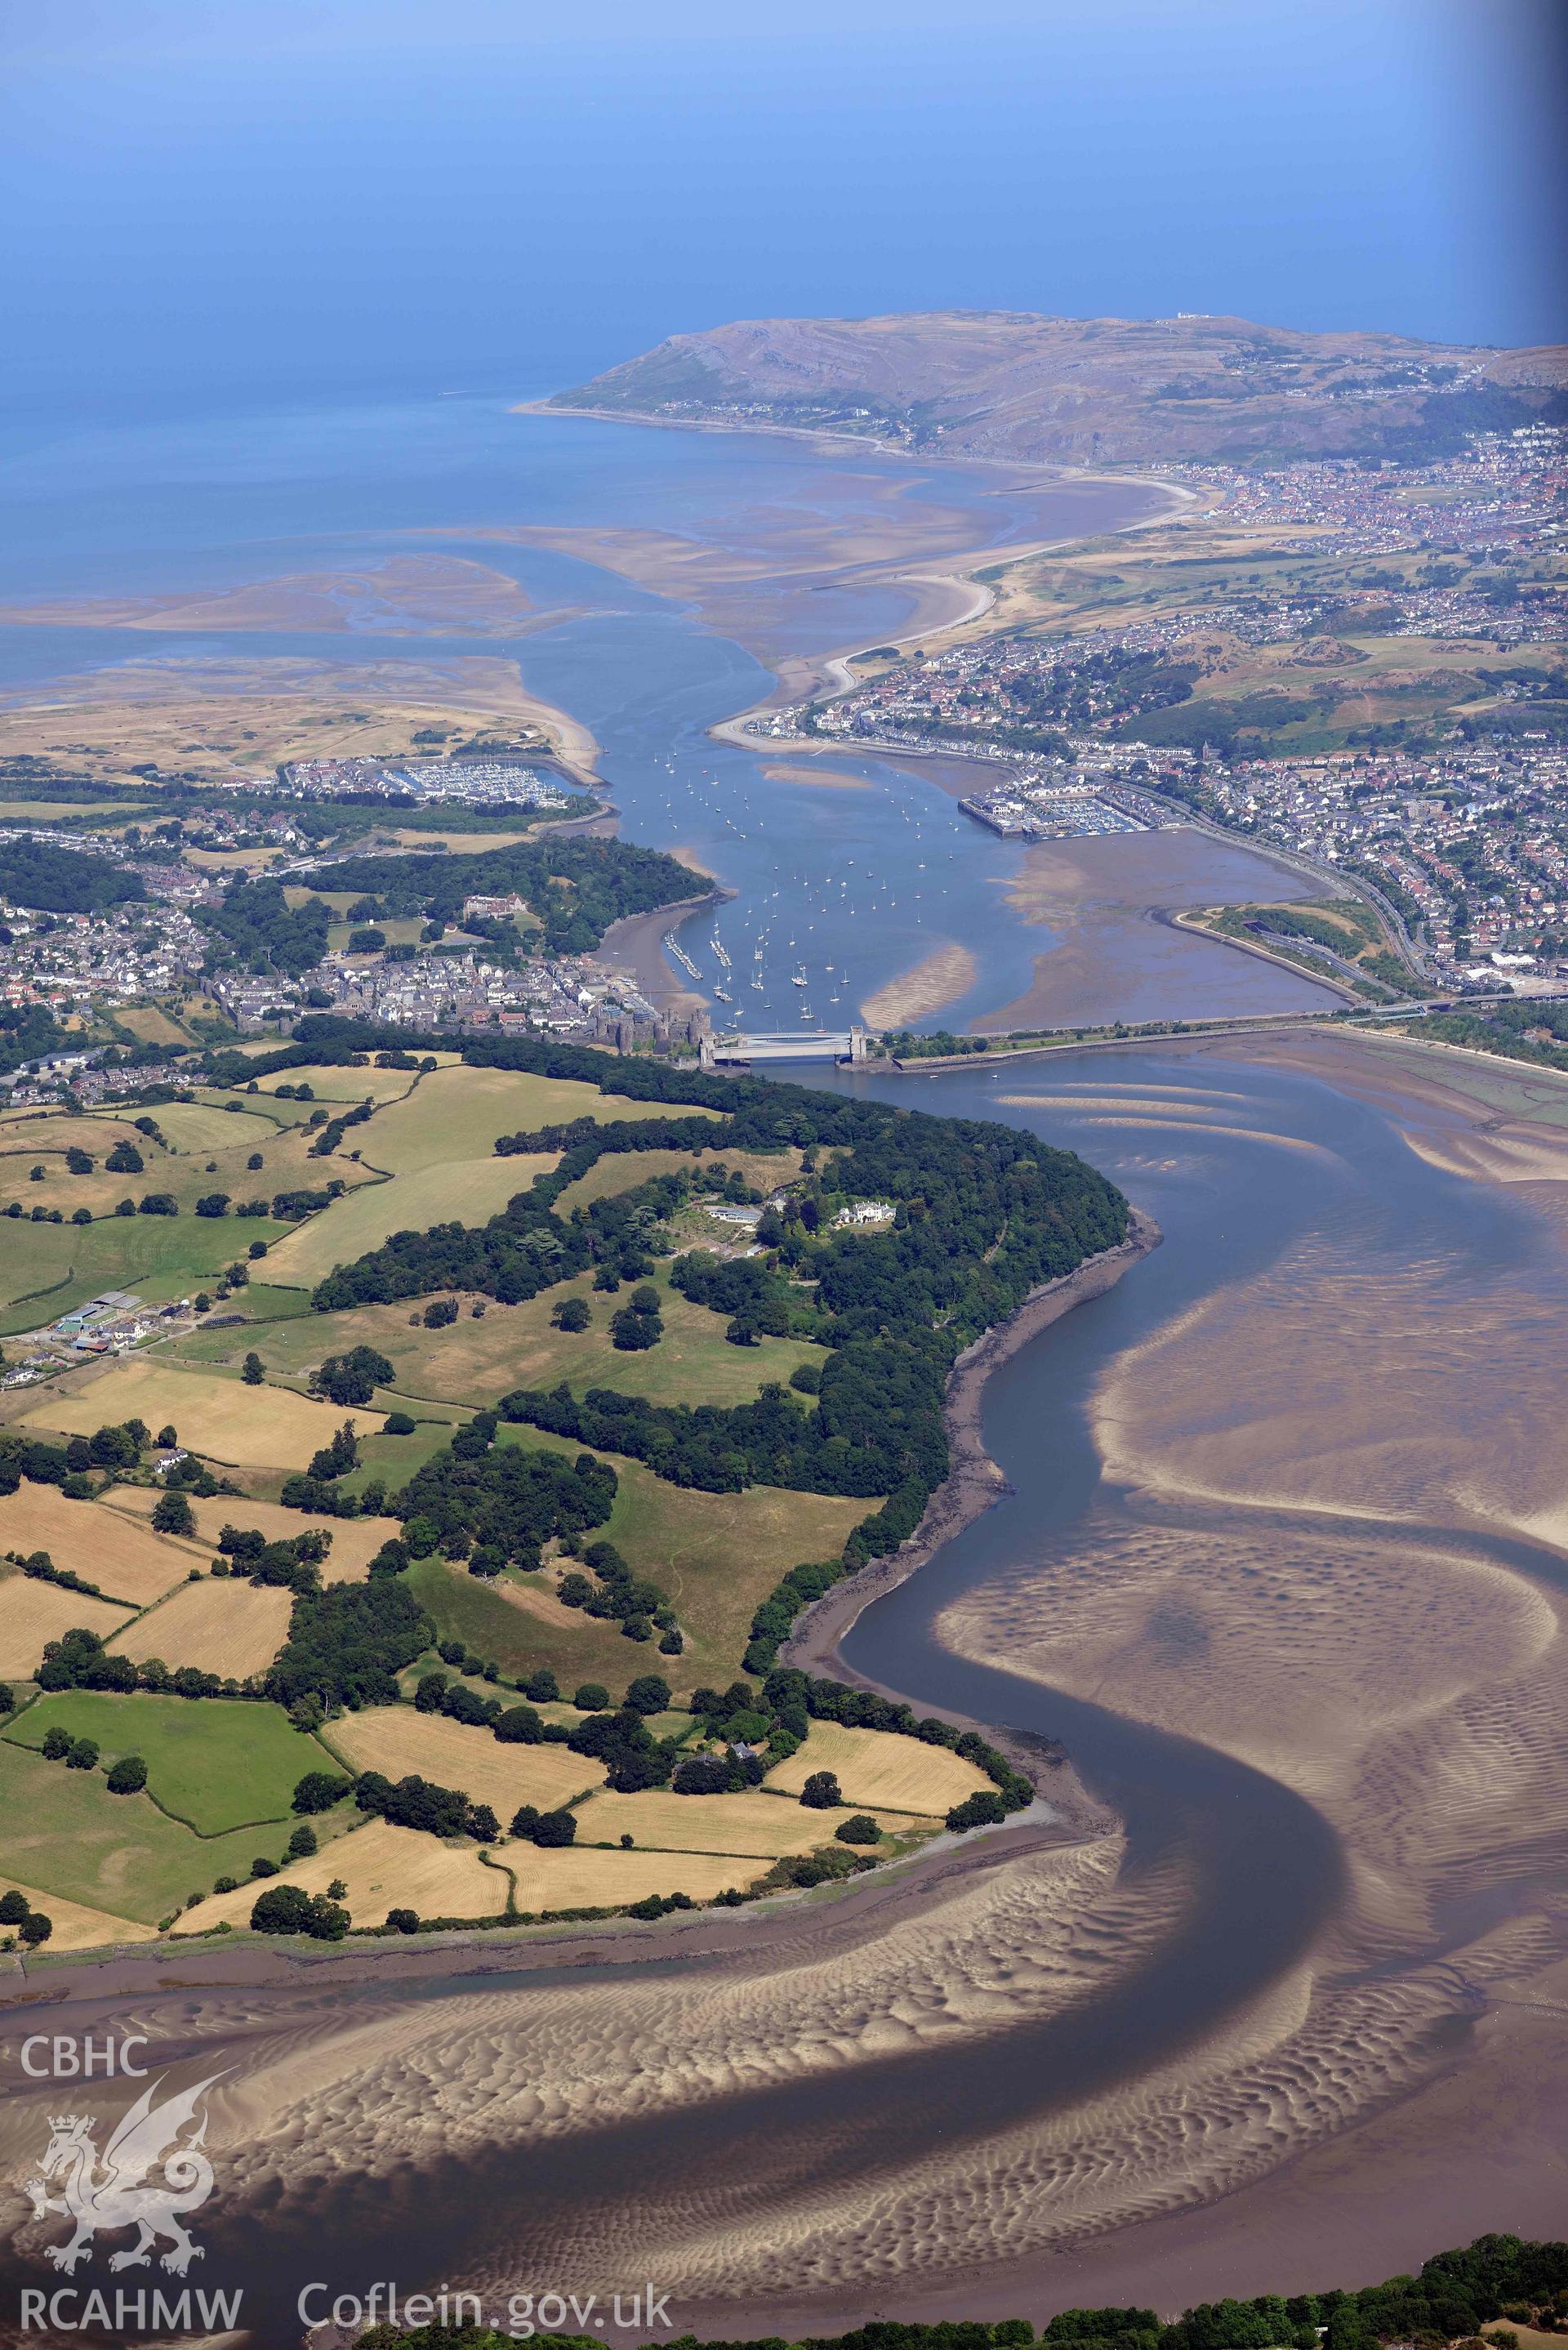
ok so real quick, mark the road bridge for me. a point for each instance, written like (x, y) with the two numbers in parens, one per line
(736, 1051)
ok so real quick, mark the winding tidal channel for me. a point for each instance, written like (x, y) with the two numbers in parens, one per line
(1280, 1561)
(1283, 1564)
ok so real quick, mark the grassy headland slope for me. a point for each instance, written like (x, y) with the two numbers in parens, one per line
(1010, 384)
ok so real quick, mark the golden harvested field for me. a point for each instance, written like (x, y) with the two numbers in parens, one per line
(126, 1559)
(34, 1613)
(624, 1174)
(466, 1190)
(233, 860)
(764, 1826)
(383, 1868)
(881, 1769)
(248, 1428)
(148, 1021)
(582, 1879)
(205, 1125)
(28, 1137)
(218, 1625)
(355, 1541)
(41, 811)
(472, 1362)
(462, 844)
(342, 1085)
(76, 1928)
(523, 1626)
(211, 1152)
(397, 1740)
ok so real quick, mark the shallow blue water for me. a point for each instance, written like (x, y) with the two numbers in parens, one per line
(851, 886)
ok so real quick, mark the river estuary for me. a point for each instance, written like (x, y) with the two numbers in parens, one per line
(1281, 1562)
(1280, 1565)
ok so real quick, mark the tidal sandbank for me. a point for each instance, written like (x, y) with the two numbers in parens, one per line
(939, 979)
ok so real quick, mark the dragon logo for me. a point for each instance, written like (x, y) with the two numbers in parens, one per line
(111, 2190)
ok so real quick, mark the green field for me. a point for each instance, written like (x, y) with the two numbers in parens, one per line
(217, 1763)
(467, 1191)
(74, 811)
(263, 1302)
(210, 1151)
(279, 1114)
(207, 1127)
(62, 1832)
(47, 1269)
(399, 930)
(576, 1647)
(471, 1362)
(331, 1085)
(457, 1114)
(626, 1171)
(394, 1459)
(718, 1555)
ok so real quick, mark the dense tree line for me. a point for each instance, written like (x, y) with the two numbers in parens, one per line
(1454, 2295)
(618, 1595)
(1526, 1031)
(771, 1624)
(63, 880)
(983, 1212)
(352, 1378)
(577, 888)
(478, 1496)
(348, 1644)
(416, 1803)
(256, 929)
(293, 1565)
(623, 1743)
(28, 1031)
(78, 1659)
(982, 1215)
(527, 1248)
(880, 1424)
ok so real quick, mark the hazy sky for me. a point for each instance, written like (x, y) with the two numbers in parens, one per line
(213, 198)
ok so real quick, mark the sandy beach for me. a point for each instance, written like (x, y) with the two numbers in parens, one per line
(636, 943)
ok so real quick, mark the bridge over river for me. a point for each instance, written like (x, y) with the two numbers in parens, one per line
(732, 1050)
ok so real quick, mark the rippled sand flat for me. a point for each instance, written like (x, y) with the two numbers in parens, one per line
(1332, 1473)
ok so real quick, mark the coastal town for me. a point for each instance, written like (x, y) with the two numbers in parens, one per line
(131, 973)
(1400, 725)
